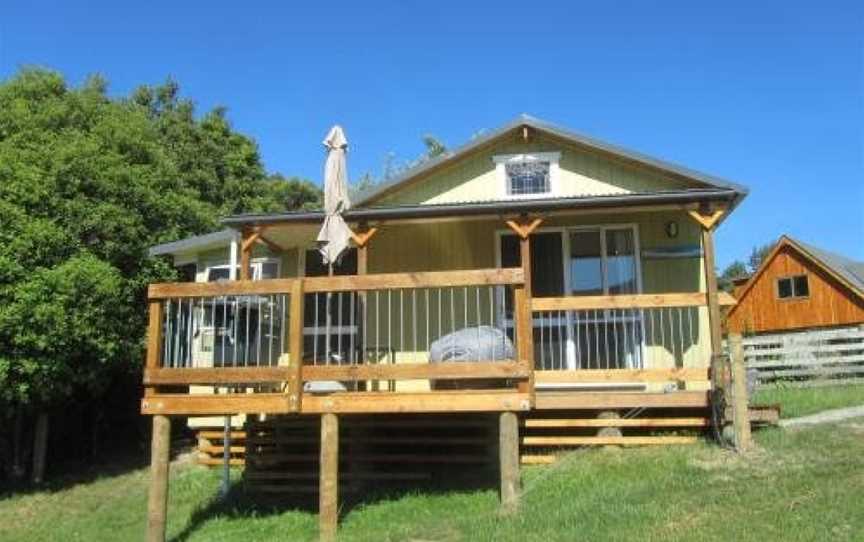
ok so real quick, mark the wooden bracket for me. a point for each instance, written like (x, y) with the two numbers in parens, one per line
(707, 220)
(249, 238)
(361, 239)
(524, 228)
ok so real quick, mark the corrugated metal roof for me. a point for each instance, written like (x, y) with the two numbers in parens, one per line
(850, 270)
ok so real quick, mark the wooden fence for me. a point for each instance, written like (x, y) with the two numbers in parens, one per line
(807, 358)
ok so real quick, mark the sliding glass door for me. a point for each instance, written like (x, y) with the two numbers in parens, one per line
(597, 260)
(604, 261)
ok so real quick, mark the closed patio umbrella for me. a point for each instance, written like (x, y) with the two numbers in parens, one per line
(335, 235)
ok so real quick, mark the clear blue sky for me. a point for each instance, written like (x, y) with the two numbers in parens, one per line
(768, 94)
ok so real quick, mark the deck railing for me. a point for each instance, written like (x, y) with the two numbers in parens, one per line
(350, 343)
(621, 338)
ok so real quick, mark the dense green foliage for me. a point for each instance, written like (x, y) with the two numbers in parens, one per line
(87, 183)
(802, 484)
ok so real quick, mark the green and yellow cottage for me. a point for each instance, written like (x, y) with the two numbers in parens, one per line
(561, 285)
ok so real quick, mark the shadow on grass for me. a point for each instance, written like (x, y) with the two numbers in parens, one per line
(242, 504)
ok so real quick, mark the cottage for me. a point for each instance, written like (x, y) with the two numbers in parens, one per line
(533, 273)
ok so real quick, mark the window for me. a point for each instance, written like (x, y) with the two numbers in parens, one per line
(526, 175)
(793, 287)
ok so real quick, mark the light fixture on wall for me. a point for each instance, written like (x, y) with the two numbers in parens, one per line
(671, 229)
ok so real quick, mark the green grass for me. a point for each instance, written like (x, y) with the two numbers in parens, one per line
(796, 402)
(803, 484)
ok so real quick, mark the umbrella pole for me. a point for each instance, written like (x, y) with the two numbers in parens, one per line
(329, 318)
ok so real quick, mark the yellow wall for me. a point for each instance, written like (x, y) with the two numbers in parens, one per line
(582, 173)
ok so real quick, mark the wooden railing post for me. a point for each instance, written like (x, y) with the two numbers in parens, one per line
(157, 504)
(740, 401)
(154, 340)
(524, 337)
(294, 386)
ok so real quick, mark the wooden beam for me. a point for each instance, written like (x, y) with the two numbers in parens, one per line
(508, 450)
(629, 301)
(709, 219)
(215, 376)
(294, 384)
(616, 422)
(328, 488)
(607, 441)
(211, 289)
(740, 400)
(154, 340)
(404, 402)
(524, 228)
(686, 374)
(524, 336)
(157, 503)
(422, 279)
(339, 402)
(714, 321)
(361, 239)
(222, 404)
(614, 400)
(416, 371)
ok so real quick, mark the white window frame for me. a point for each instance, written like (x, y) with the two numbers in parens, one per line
(255, 266)
(501, 161)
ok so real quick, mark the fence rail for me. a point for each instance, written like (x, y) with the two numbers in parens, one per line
(807, 358)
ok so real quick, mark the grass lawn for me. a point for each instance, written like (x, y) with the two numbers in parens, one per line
(803, 401)
(801, 484)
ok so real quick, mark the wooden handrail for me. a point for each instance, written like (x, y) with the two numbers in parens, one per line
(424, 279)
(687, 374)
(346, 283)
(628, 301)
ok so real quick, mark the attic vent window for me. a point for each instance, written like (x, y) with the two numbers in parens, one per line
(527, 175)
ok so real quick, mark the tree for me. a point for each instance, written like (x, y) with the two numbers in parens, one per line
(758, 255)
(393, 167)
(734, 270)
(87, 184)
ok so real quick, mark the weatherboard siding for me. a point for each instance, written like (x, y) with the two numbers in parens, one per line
(829, 303)
(582, 173)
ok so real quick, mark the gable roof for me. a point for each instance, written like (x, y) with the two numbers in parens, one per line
(526, 121)
(848, 272)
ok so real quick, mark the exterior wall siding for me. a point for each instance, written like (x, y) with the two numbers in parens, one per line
(582, 173)
(829, 303)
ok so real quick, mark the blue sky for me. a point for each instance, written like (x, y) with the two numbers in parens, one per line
(768, 94)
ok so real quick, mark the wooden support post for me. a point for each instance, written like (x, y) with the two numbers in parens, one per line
(40, 447)
(740, 401)
(328, 485)
(714, 322)
(157, 505)
(522, 300)
(508, 450)
(249, 237)
(294, 386)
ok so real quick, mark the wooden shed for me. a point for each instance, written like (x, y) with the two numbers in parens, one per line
(799, 286)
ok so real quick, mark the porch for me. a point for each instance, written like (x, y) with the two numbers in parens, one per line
(542, 352)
